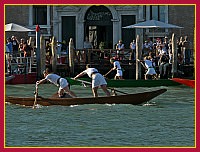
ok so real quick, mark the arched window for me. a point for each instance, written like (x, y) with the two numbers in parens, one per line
(98, 15)
(98, 26)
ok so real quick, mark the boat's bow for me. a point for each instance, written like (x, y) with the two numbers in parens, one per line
(187, 82)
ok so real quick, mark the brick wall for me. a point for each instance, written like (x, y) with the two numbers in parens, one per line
(183, 15)
(17, 14)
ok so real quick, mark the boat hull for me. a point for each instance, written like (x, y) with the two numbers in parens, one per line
(8, 78)
(134, 99)
(29, 78)
(187, 82)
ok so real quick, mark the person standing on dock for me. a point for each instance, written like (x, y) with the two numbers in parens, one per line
(132, 52)
(163, 65)
(15, 44)
(97, 80)
(9, 47)
(120, 50)
(58, 81)
(86, 53)
(59, 49)
(186, 50)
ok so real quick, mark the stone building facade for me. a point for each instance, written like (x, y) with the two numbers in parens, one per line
(101, 23)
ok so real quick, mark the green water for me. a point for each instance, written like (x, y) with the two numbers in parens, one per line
(168, 121)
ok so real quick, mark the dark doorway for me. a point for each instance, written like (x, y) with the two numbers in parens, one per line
(128, 34)
(98, 26)
(68, 28)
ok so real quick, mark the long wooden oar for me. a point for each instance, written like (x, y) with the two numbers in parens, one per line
(108, 72)
(117, 90)
(65, 95)
(89, 83)
(36, 94)
(142, 64)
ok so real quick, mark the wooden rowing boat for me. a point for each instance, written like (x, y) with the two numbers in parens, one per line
(131, 82)
(134, 99)
(187, 82)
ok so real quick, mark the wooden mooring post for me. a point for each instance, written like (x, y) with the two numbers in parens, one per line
(71, 57)
(54, 55)
(138, 56)
(174, 56)
(42, 54)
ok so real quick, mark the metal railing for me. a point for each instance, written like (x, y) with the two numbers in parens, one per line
(20, 65)
(96, 55)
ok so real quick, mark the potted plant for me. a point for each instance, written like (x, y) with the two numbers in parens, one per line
(101, 46)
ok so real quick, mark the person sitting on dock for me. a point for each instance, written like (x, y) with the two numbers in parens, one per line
(120, 50)
(86, 56)
(97, 80)
(132, 52)
(58, 81)
(116, 66)
(149, 67)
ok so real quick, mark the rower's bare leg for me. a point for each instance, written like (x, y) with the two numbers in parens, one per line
(155, 77)
(121, 78)
(104, 88)
(94, 91)
(71, 93)
(60, 92)
(146, 76)
(118, 77)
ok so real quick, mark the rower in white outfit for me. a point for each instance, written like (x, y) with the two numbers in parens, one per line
(58, 81)
(149, 66)
(116, 66)
(97, 80)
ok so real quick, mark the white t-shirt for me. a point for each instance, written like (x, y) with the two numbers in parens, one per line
(133, 46)
(52, 78)
(120, 46)
(117, 64)
(59, 46)
(87, 45)
(89, 71)
(148, 63)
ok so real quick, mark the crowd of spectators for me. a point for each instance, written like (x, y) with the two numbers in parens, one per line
(160, 52)
(16, 48)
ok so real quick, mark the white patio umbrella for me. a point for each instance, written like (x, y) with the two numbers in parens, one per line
(12, 27)
(152, 24)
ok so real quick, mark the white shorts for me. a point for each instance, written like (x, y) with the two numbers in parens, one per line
(119, 73)
(98, 80)
(151, 71)
(63, 83)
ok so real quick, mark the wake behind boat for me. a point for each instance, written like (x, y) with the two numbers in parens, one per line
(134, 99)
